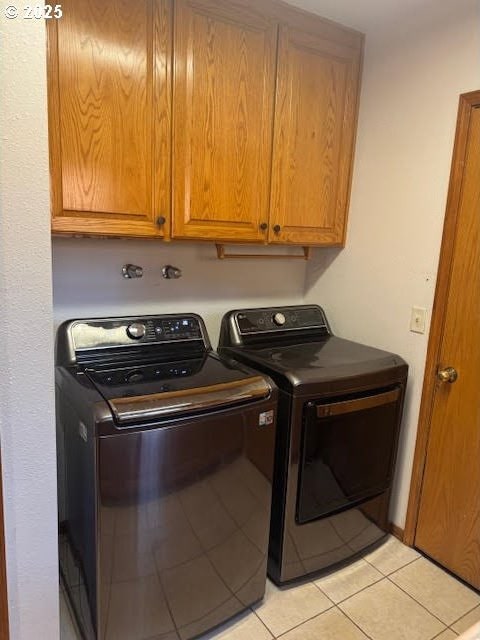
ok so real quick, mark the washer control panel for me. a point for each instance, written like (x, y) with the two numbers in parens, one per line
(120, 332)
(251, 321)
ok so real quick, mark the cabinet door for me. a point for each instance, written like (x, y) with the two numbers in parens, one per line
(222, 131)
(109, 109)
(315, 122)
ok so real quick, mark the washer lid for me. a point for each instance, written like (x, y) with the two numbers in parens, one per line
(144, 392)
(323, 362)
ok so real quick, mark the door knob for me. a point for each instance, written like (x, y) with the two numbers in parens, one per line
(449, 374)
(264, 226)
(277, 228)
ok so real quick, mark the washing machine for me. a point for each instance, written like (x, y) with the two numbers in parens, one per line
(165, 477)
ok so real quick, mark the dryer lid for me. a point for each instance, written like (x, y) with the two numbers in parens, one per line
(325, 363)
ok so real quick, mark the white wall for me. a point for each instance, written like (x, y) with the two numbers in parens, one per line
(88, 282)
(27, 428)
(414, 72)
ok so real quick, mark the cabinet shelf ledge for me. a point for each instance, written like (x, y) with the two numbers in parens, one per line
(223, 255)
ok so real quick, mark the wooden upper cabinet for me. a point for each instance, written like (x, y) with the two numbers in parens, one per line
(224, 84)
(109, 110)
(315, 122)
(253, 100)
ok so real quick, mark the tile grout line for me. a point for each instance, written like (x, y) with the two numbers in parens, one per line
(445, 624)
(441, 632)
(318, 615)
(337, 604)
(300, 623)
(463, 616)
(449, 626)
(386, 575)
(261, 621)
(383, 577)
(407, 594)
(353, 622)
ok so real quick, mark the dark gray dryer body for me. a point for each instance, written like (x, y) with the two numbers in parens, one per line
(339, 412)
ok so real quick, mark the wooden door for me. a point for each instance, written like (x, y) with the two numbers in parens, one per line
(223, 95)
(448, 526)
(315, 122)
(109, 117)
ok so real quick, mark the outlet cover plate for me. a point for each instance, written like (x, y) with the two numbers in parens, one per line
(418, 320)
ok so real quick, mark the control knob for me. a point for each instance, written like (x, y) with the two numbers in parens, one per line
(136, 331)
(279, 319)
(134, 376)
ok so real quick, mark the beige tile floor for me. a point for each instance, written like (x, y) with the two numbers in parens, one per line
(392, 593)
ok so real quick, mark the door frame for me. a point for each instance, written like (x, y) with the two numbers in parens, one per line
(467, 102)
(4, 629)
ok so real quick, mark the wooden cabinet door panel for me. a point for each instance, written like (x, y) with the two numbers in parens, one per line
(315, 121)
(223, 96)
(110, 116)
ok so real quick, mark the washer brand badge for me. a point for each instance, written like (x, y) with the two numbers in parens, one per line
(82, 430)
(265, 418)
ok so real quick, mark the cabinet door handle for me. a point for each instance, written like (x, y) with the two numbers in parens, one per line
(161, 221)
(264, 226)
(277, 228)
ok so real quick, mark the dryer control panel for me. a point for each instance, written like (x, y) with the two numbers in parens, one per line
(279, 319)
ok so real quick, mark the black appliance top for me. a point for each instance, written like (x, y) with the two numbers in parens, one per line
(155, 366)
(128, 380)
(295, 346)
